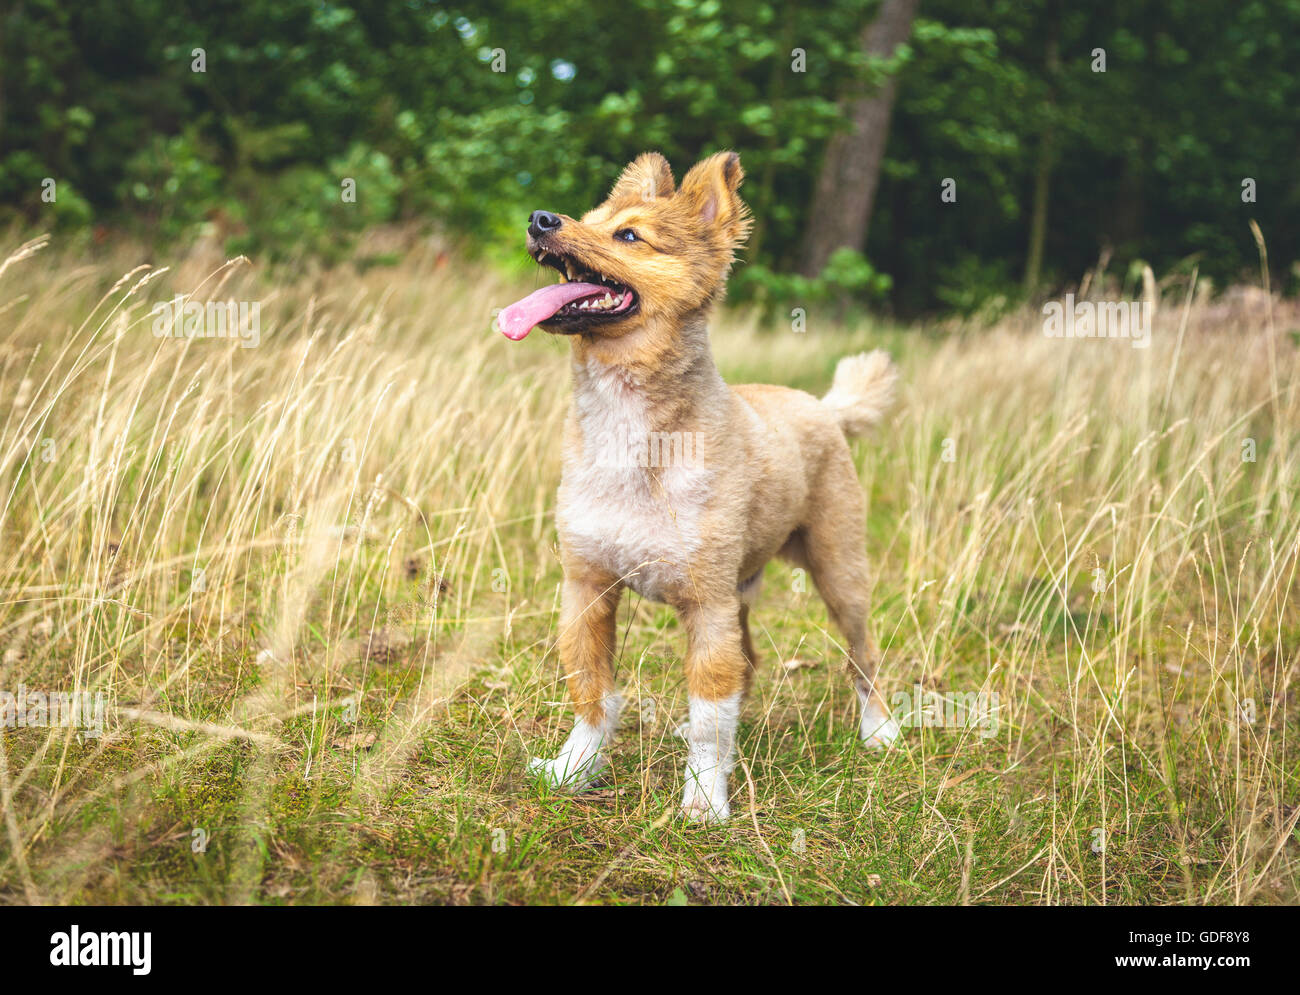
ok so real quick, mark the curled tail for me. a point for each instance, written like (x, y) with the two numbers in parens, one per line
(862, 391)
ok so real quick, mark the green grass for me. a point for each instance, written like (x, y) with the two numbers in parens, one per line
(383, 461)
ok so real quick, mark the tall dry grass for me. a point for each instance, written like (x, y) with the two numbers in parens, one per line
(328, 561)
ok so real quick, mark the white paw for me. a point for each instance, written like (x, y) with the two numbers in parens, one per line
(878, 731)
(564, 773)
(705, 798)
(582, 756)
(711, 734)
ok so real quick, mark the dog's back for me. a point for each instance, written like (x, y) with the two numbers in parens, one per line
(860, 395)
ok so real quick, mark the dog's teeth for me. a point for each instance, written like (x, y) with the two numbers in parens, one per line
(607, 302)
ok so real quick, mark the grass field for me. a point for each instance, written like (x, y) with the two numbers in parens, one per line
(316, 584)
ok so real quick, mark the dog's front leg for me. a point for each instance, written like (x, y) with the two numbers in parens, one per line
(588, 606)
(715, 681)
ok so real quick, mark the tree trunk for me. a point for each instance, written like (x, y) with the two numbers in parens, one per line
(846, 187)
(1043, 174)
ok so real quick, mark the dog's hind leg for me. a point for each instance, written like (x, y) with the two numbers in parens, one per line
(833, 549)
(748, 595)
(747, 649)
(588, 607)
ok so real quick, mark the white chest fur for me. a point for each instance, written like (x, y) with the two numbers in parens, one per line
(631, 500)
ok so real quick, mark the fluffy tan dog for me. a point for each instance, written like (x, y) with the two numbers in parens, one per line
(678, 486)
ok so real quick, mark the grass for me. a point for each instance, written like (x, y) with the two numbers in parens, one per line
(316, 583)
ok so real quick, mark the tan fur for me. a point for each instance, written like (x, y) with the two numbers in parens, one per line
(772, 473)
(589, 606)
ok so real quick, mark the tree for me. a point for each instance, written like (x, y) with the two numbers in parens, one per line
(846, 186)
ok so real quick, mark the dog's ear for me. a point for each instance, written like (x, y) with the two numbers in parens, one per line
(646, 178)
(709, 190)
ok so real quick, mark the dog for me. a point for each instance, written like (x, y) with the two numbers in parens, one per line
(676, 485)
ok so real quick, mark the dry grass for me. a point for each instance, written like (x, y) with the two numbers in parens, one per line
(315, 582)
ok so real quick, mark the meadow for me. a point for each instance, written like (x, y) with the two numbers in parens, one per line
(313, 583)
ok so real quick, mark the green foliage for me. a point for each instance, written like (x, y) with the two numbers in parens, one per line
(1147, 158)
(473, 115)
(980, 287)
(847, 277)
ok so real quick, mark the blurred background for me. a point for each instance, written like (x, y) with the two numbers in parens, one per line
(914, 157)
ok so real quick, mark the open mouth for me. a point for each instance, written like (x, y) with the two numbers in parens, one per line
(585, 300)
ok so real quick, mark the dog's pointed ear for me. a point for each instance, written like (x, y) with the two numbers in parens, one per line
(647, 177)
(710, 191)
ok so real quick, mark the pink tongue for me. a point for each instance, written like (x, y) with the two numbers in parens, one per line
(522, 317)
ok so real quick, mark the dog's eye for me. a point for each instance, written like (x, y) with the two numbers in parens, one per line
(625, 235)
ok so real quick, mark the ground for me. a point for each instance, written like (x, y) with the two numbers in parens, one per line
(315, 581)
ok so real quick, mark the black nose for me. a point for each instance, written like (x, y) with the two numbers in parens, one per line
(541, 222)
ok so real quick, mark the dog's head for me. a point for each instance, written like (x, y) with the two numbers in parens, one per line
(648, 252)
